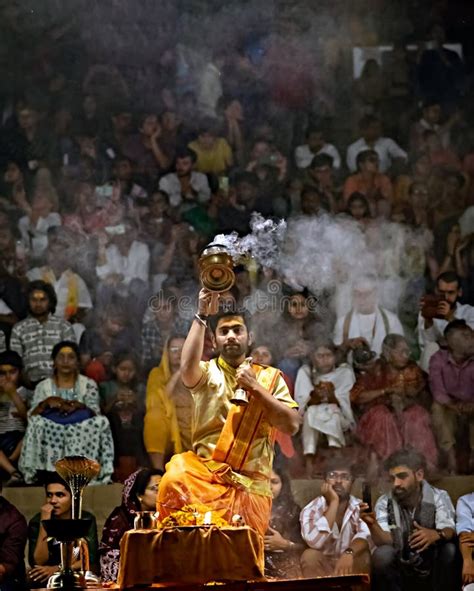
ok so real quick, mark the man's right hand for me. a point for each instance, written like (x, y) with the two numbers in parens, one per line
(329, 493)
(208, 302)
(366, 515)
(46, 511)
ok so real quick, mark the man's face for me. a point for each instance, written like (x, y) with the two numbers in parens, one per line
(372, 132)
(432, 114)
(370, 164)
(39, 303)
(150, 125)
(60, 498)
(310, 203)
(122, 122)
(232, 338)
(341, 481)
(124, 170)
(184, 166)
(26, 119)
(315, 141)
(12, 173)
(6, 239)
(246, 192)
(405, 481)
(364, 300)
(449, 291)
(206, 140)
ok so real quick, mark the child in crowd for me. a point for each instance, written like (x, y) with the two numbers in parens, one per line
(322, 392)
(122, 403)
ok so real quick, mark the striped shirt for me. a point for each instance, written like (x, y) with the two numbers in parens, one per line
(34, 341)
(316, 532)
(9, 421)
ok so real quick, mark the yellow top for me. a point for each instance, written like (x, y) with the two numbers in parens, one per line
(217, 160)
(212, 397)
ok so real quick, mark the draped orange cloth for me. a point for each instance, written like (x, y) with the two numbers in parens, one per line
(231, 469)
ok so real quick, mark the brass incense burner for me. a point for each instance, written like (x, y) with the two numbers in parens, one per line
(77, 472)
(216, 268)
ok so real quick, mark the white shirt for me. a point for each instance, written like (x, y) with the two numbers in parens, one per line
(133, 266)
(304, 156)
(385, 147)
(61, 287)
(172, 187)
(369, 326)
(36, 239)
(316, 532)
(435, 332)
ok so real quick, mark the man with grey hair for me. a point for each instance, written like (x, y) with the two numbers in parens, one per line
(367, 323)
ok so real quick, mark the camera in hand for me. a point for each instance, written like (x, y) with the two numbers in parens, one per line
(362, 354)
(430, 306)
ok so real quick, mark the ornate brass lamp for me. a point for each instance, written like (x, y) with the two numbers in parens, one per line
(216, 268)
(77, 471)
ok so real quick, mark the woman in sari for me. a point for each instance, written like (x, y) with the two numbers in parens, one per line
(169, 407)
(388, 396)
(138, 494)
(65, 420)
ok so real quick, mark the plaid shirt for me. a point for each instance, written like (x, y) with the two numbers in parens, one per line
(34, 341)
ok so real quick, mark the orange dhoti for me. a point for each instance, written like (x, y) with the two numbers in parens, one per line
(190, 479)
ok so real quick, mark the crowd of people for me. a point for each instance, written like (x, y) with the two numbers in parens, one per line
(105, 209)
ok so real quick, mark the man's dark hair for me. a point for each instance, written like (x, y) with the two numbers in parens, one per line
(406, 457)
(143, 477)
(226, 313)
(321, 160)
(368, 120)
(449, 277)
(338, 464)
(356, 196)
(430, 102)
(185, 152)
(48, 289)
(315, 128)
(365, 155)
(246, 176)
(454, 325)
(309, 190)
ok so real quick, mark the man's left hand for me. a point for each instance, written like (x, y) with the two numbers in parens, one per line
(273, 541)
(422, 538)
(246, 378)
(344, 565)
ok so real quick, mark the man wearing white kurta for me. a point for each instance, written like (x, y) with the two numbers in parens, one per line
(366, 320)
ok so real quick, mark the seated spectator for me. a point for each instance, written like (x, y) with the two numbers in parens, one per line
(421, 171)
(366, 320)
(231, 111)
(34, 226)
(358, 208)
(73, 296)
(371, 131)
(440, 156)
(214, 155)
(34, 338)
(165, 322)
(139, 494)
(65, 420)
(111, 335)
(320, 175)
(431, 115)
(14, 189)
(368, 180)
(185, 187)
(465, 532)
(389, 396)
(265, 153)
(44, 554)
(322, 393)
(282, 541)
(13, 536)
(145, 148)
(13, 409)
(169, 407)
(413, 529)
(315, 145)
(122, 402)
(432, 320)
(331, 525)
(451, 376)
